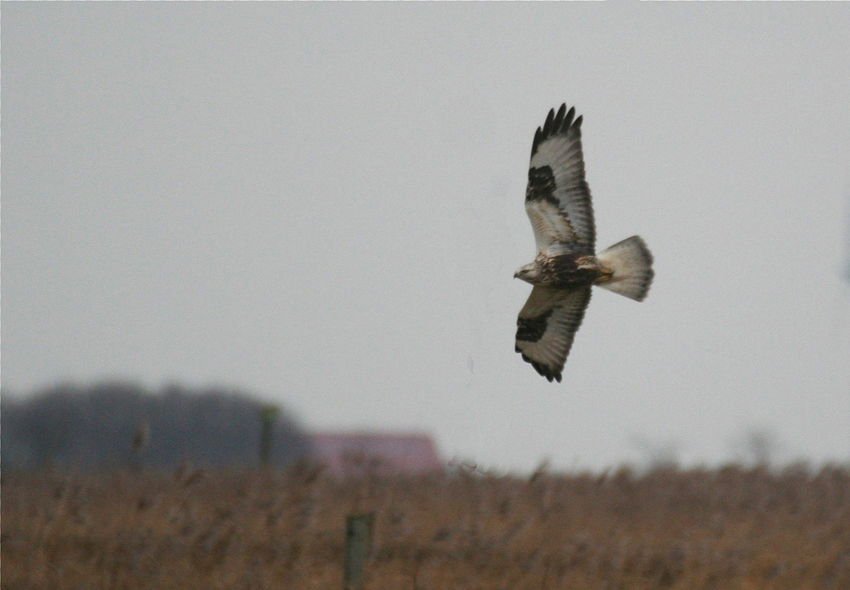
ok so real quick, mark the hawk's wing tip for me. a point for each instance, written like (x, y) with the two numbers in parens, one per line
(544, 371)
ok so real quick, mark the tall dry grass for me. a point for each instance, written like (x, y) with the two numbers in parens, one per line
(728, 528)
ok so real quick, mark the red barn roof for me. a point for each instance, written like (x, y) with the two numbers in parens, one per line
(385, 453)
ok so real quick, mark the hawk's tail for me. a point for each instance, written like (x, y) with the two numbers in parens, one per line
(631, 262)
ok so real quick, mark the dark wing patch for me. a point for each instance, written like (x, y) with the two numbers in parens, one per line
(547, 325)
(532, 329)
(557, 199)
(541, 185)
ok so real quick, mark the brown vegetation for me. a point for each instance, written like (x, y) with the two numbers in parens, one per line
(727, 528)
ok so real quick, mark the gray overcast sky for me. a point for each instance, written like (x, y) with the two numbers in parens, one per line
(323, 204)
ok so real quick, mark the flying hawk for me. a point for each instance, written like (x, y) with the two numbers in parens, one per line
(557, 201)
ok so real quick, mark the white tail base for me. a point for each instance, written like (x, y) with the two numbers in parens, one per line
(631, 263)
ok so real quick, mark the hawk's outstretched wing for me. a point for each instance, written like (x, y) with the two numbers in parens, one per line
(547, 325)
(557, 199)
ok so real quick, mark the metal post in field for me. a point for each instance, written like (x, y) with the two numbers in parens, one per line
(359, 529)
(268, 415)
(140, 442)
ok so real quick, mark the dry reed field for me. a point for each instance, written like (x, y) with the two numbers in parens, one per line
(726, 528)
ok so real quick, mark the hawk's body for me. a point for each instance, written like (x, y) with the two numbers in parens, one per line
(566, 271)
(558, 204)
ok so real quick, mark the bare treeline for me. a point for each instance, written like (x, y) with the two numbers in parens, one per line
(115, 424)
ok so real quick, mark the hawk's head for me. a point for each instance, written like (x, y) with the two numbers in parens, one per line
(528, 273)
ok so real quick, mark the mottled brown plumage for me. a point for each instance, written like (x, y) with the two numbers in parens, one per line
(568, 271)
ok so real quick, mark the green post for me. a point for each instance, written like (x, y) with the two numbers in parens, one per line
(359, 529)
(268, 415)
(140, 442)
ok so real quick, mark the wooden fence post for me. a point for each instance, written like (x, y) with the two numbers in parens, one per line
(268, 415)
(140, 442)
(359, 529)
